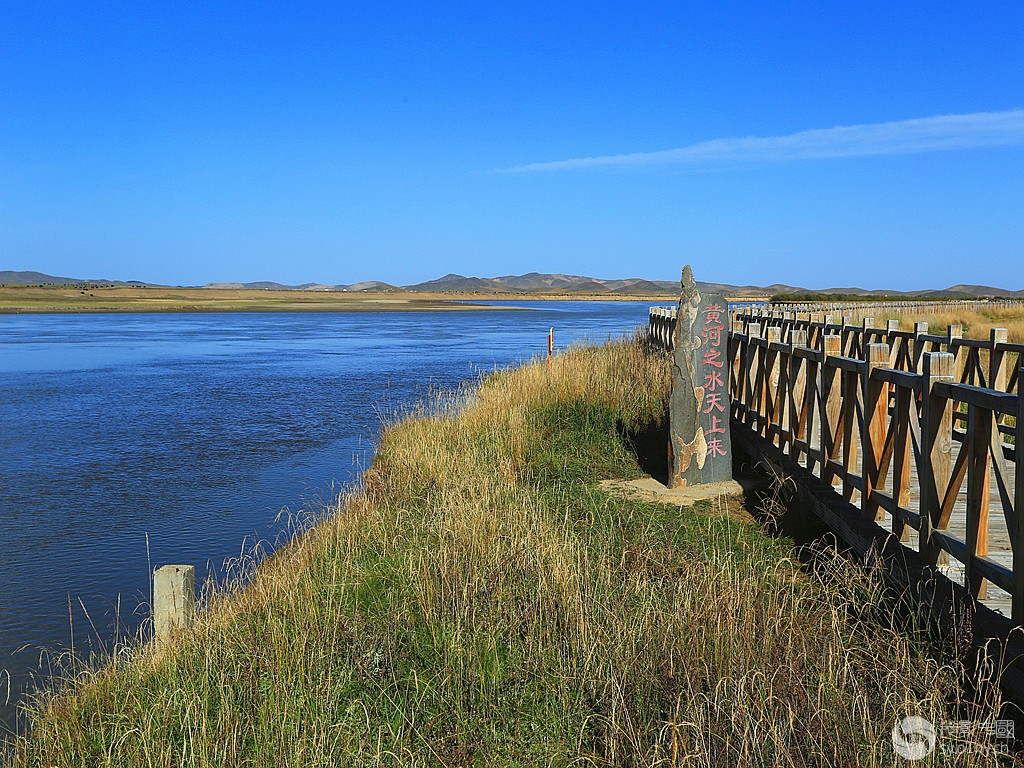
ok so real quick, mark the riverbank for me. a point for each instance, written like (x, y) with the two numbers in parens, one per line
(48, 299)
(480, 600)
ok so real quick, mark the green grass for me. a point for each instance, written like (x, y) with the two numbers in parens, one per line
(480, 601)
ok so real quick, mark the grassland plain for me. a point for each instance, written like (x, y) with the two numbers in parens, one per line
(977, 322)
(477, 600)
(73, 298)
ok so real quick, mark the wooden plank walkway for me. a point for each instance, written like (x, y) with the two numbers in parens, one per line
(904, 443)
(999, 548)
(913, 421)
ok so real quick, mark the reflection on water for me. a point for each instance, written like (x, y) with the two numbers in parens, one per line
(131, 441)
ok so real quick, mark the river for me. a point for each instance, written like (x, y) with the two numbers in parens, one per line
(128, 441)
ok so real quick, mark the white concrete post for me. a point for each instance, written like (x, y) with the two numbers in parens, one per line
(174, 599)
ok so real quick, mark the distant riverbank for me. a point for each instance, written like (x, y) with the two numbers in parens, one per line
(49, 299)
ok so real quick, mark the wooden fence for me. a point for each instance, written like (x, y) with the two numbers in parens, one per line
(907, 426)
(857, 311)
(662, 325)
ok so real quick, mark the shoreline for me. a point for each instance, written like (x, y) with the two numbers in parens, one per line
(115, 300)
(482, 582)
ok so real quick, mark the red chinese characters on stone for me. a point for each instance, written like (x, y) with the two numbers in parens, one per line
(716, 391)
(713, 402)
(713, 380)
(715, 447)
(713, 313)
(713, 325)
(713, 357)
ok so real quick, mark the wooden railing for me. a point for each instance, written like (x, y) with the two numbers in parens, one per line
(907, 426)
(856, 311)
(662, 325)
(987, 363)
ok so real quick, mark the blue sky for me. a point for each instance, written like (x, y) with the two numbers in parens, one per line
(343, 142)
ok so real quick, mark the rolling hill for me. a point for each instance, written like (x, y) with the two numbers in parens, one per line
(12, 277)
(537, 283)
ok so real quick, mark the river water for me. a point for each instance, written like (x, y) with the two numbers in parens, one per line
(128, 441)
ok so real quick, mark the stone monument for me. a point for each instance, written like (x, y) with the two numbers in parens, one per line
(700, 450)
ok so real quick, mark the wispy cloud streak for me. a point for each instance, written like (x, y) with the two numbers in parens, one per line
(904, 137)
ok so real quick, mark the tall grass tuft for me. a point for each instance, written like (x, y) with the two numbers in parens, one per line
(479, 601)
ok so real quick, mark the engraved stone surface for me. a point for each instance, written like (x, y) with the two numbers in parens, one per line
(700, 449)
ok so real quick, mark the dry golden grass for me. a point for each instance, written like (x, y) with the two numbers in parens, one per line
(977, 322)
(479, 601)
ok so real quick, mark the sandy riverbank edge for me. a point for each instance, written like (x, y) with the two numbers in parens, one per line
(60, 299)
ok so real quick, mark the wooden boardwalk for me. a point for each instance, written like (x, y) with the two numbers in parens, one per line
(915, 433)
(999, 546)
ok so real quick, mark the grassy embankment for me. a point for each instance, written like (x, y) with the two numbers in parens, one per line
(480, 601)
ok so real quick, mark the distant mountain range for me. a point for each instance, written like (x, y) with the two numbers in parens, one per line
(538, 283)
(10, 277)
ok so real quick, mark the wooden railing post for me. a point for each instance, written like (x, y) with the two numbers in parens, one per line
(958, 350)
(865, 336)
(936, 464)
(876, 413)
(755, 378)
(997, 360)
(920, 345)
(1017, 532)
(902, 457)
(738, 359)
(985, 443)
(812, 379)
(797, 409)
(851, 430)
(891, 328)
(830, 404)
(814, 330)
(773, 394)
(979, 442)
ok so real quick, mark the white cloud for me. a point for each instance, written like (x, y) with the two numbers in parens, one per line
(904, 137)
